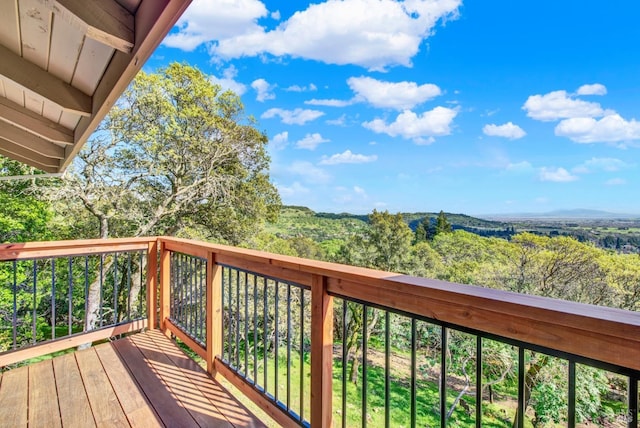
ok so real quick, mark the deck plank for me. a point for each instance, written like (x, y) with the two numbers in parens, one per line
(104, 403)
(190, 392)
(227, 405)
(43, 407)
(165, 403)
(14, 393)
(135, 405)
(75, 409)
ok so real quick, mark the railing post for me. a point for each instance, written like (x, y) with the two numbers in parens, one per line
(165, 283)
(152, 284)
(321, 353)
(214, 311)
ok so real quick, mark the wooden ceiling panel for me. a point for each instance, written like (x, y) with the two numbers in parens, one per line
(66, 44)
(64, 63)
(93, 60)
(9, 25)
(35, 32)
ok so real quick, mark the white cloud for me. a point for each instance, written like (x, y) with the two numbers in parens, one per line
(396, 95)
(311, 141)
(559, 175)
(264, 90)
(359, 190)
(297, 88)
(205, 21)
(375, 34)
(609, 129)
(595, 89)
(347, 157)
(276, 15)
(309, 172)
(559, 105)
(600, 164)
(616, 182)
(420, 128)
(508, 130)
(227, 81)
(295, 189)
(280, 141)
(341, 121)
(329, 102)
(293, 117)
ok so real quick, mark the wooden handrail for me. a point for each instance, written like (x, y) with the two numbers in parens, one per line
(600, 333)
(41, 249)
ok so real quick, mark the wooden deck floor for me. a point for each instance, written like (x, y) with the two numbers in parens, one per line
(144, 380)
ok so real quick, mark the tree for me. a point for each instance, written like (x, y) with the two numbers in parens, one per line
(176, 155)
(24, 216)
(442, 224)
(421, 233)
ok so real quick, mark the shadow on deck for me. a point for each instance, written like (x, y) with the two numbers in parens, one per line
(143, 380)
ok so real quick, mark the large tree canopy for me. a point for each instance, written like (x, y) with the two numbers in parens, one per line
(176, 155)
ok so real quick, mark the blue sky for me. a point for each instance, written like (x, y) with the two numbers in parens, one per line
(479, 107)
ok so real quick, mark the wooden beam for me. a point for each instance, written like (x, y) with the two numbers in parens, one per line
(21, 117)
(30, 141)
(152, 283)
(19, 153)
(48, 347)
(321, 353)
(102, 20)
(214, 312)
(35, 79)
(164, 291)
(154, 19)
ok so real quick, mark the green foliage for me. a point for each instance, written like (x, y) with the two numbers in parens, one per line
(442, 224)
(175, 153)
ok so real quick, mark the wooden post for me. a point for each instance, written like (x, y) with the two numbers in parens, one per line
(152, 284)
(214, 312)
(165, 283)
(321, 353)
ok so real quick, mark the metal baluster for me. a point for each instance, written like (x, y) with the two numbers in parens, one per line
(277, 343)
(521, 385)
(288, 346)
(246, 324)
(478, 381)
(443, 376)
(115, 288)
(301, 353)
(172, 281)
(365, 349)
(53, 298)
(143, 289)
(14, 317)
(35, 293)
(129, 287)
(571, 420)
(86, 286)
(387, 360)
(632, 421)
(266, 328)
(413, 372)
(70, 303)
(100, 309)
(237, 320)
(230, 326)
(255, 329)
(344, 363)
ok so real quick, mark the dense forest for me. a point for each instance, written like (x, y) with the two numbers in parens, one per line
(178, 156)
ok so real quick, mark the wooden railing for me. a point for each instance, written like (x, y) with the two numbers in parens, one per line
(597, 336)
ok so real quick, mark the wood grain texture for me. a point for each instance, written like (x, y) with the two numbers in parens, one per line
(75, 410)
(104, 402)
(321, 353)
(14, 395)
(43, 405)
(132, 400)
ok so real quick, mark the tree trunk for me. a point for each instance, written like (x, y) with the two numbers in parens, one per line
(530, 379)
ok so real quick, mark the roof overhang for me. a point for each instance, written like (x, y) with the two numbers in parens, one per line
(64, 63)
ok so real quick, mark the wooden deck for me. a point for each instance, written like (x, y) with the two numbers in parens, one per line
(144, 380)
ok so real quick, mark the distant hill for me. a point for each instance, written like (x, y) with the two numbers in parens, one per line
(565, 214)
(302, 221)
